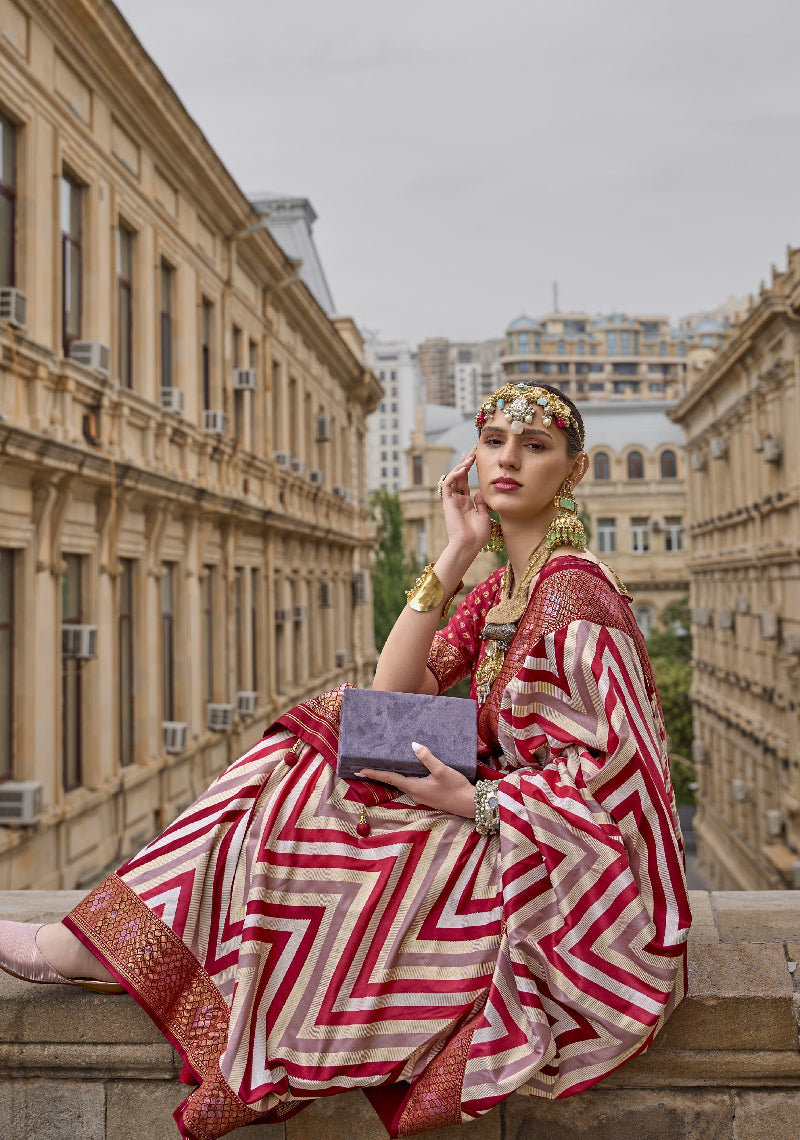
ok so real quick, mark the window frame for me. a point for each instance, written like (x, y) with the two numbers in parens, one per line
(71, 247)
(125, 306)
(8, 192)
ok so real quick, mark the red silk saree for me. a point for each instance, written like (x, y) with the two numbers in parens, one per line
(287, 957)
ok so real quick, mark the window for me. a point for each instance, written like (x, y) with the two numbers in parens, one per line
(125, 663)
(72, 677)
(606, 536)
(255, 590)
(640, 535)
(673, 533)
(662, 348)
(209, 582)
(562, 348)
(6, 664)
(563, 369)
(206, 318)
(166, 294)
(645, 619)
(125, 305)
(523, 343)
(625, 343)
(669, 466)
(71, 260)
(168, 642)
(416, 469)
(8, 200)
(238, 621)
(280, 637)
(581, 348)
(682, 348)
(602, 466)
(706, 341)
(635, 465)
(611, 343)
(422, 543)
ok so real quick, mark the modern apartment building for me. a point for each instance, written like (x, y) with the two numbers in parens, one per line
(184, 539)
(389, 428)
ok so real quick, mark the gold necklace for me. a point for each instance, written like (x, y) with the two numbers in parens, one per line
(502, 620)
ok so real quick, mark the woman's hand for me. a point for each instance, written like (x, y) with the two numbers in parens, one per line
(445, 788)
(468, 522)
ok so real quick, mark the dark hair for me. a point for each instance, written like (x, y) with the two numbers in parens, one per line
(575, 431)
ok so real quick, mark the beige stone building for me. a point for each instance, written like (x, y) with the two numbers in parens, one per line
(634, 494)
(742, 424)
(184, 539)
(611, 357)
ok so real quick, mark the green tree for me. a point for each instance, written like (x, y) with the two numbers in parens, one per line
(670, 650)
(393, 572)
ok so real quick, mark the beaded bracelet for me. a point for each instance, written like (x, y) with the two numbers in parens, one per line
(487, 812)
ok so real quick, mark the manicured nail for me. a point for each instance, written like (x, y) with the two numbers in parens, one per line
(416, 746)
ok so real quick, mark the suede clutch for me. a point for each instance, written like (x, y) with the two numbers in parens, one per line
(377, 729)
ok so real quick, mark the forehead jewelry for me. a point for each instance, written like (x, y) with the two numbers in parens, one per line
(518, 403)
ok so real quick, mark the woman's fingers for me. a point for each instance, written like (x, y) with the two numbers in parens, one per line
(425, 755)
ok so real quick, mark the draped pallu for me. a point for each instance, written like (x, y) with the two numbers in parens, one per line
(286, 957)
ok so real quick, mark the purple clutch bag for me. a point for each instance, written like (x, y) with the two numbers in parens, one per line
(377, 729)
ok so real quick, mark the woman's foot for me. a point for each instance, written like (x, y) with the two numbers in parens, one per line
(68, 955)
(22, 957)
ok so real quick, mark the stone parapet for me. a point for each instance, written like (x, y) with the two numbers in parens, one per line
(725, 1067)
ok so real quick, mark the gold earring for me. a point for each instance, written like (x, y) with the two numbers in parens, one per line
(496, 542)
(566, 529)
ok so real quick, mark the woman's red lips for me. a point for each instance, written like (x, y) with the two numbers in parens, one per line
(505, 484)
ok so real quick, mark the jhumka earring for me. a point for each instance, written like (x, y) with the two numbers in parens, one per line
(496, 542)
(566, 529)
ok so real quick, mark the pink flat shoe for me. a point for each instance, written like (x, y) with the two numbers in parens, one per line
(22, 958)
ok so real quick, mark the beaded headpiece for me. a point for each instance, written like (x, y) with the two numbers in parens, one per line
(518, 403)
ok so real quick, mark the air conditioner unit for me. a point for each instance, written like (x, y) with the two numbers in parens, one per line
(701, 615)
(21, 802)
(298, 465)
(299, 613)
(360, 587)
(743, 604)
(342, 492)
(283, 614)
(245, 379)
(172, 399)
(219, 718)
(725, 618)
(214, 422)
(768, 621)
(14, 307)
(283, 458)
(316, 477)
(91, 354)
(325, 595)
(79, 641)
(246, 703)
(790, 643)
(699, 460)
(773, 449)
(323, 429)
(174, 733)
(740, 791)
(773, 821)
(758, 443)
(341, 658)
(699, 751)
(718, 446)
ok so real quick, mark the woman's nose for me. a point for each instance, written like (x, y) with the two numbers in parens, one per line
(509, 453)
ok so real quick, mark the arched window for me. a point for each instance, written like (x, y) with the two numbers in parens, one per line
(669, 465)
(635, 465)
(602, 467)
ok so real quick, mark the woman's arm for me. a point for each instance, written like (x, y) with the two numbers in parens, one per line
(402, 666)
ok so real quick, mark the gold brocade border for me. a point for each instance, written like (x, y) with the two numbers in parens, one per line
(435, 1097)
(167, 980)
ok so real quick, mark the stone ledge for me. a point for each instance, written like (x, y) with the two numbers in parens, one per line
(727, 1064)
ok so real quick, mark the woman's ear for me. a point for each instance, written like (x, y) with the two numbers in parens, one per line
(579, 468)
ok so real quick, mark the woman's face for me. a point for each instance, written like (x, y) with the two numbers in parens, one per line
(520, 475)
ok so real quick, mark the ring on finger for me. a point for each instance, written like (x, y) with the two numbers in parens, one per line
(440, 484)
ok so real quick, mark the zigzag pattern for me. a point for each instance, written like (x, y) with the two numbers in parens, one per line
(348, 961)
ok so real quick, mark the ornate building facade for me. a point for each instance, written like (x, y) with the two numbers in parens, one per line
(184, 537)
(742, 423)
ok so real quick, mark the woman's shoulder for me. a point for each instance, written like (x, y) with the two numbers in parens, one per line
(571, 588)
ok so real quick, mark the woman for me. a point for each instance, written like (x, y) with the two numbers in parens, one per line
(437, 944)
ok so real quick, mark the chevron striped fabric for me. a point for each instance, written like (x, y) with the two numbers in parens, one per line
(287, 957)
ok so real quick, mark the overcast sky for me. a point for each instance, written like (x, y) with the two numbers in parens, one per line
(463, 155)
